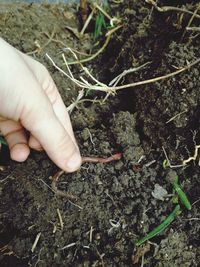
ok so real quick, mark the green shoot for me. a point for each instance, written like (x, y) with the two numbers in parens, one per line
(160, 227)
(175, 199)
(100, 25)
(165, 164)
(3, 141)
(181, 194)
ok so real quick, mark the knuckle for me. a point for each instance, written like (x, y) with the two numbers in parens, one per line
(67, 147)
(50, 89)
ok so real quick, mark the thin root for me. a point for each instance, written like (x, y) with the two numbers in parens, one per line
(82, 83)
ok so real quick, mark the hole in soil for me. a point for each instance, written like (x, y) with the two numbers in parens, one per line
(13, 261)
(4, 155)
(6, 257)
(7, 235)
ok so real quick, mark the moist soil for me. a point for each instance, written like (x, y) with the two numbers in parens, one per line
(121, 201)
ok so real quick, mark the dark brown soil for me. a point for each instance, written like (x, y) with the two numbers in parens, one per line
(115, 205)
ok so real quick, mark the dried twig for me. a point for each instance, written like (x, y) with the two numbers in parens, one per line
(191, 19)
(185, 161)
(60, 219)
(112, 20)
(141, 251)
(98, 86)
(40, 48)
(83, 9)
(193, 29)
(192, 158)
(168, 161)
(170, 8)
(63, 44)
(157, 78)
(35, 242)
(88, 21)
(108, 36)
(175, 116)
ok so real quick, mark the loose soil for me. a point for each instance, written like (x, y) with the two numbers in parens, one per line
(116, 203)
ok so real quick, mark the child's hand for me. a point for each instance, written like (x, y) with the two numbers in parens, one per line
(30, 101)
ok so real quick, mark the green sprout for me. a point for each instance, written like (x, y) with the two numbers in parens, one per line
(181, 194)
(173, 178)
(165, 164)
(160, 227)
(99, 25)
(3, 141)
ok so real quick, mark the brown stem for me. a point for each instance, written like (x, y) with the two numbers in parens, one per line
(83, 10)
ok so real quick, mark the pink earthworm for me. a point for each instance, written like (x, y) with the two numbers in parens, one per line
(56, 176)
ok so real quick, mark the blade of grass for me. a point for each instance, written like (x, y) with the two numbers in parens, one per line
(99, 24)
(181, 194)
(160, 227)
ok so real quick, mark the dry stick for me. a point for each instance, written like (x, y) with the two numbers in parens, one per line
(83, 9)
(84, 69)
(112, 89)
(62, 43)
(118, 78)
(191, 19)
(185, 161)
(175, 116)
(192, 158)
(94, 55)
(194, 29)
(56, 176)
(40, 48)
(102, 11)
(35, 242)
(88, 20)
(170, 8)
(117, 1)
(168, 161)
(96, 6)
(157, 78)
(60, 219)
(112, 20)
(108, 35)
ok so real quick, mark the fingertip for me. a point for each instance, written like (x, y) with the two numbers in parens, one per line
(19, 152)
(34, 144)
(73, 163)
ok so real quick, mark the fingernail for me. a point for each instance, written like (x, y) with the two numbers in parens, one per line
(74, 162)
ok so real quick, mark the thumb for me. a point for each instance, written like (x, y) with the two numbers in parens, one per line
(23, 99)
(40, 120)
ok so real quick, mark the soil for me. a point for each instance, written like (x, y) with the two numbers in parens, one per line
(117, 203)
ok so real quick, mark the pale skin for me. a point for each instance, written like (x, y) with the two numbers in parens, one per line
(32, 113)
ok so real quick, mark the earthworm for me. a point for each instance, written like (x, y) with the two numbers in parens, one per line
(56, 176)
(102, 160)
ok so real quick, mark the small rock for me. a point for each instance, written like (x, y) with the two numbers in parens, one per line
(159, 192)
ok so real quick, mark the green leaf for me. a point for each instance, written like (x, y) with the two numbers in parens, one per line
(160, 227)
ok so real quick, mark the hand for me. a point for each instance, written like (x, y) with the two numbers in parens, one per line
(30, 101)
